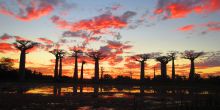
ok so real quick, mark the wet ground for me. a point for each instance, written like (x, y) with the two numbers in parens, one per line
(26, 96)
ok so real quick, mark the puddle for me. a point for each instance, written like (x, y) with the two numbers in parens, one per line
(91, 108)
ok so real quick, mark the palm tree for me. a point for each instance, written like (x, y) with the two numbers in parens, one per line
(192, 55)
(172, 54)
(23, 46)
(163, 65)
(96, 56)
(142, 58)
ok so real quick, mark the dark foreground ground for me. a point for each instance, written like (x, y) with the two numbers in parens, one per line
(26, 96)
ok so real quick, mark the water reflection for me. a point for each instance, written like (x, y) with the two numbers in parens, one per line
(96, 90)
(107, 97)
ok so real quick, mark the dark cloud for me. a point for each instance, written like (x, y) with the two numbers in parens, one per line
(6, 37)
(212, 60)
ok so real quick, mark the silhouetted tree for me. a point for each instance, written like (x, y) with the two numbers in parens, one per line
(107, 77)
(96, 56)
(61, 54)
(6, 63)
(23, 46)
(191, 55)
(81, 76)
(142, 58)
(102, 72)
(75, 55)
(163, 65)
(55, 52)
(172, 55)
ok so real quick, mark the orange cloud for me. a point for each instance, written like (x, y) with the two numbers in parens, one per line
(132, 65)
(6, 47)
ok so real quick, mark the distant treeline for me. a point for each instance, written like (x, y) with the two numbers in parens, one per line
(8, 73)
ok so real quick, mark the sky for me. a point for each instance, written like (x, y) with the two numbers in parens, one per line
(118, 28)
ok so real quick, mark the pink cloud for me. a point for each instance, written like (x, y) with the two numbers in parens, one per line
(45, 40)
(186, 28)
(34, 11)
(173, 9)
(96, 25)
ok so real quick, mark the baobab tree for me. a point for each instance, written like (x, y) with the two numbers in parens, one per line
(75, 55)
(81, 76)
(56, 54)
(23, 46)
(163, 65)
(172, 55)
(61, 54)
(192, 55)
(102, 73)
(96, 56)
(142, 58)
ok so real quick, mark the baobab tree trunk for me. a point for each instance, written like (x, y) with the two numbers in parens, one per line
(173, 70)
(60, 70)
(81, 76)
(22, 65)
(56, 67)
(192, 70)
(75, 77)
(154, 73)
(163, 70)
(142, 71)
(96, 78)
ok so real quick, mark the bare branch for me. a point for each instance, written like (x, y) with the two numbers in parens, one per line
(191, 54)
(164, 59)
(96, 55)
(141, 57)
(24, 44)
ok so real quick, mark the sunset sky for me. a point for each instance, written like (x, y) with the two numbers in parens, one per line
(119, 28)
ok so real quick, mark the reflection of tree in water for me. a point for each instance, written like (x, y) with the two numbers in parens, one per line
(142, 90)
(119, 88)
(96, 90)
(107, 88)
(75, 89)
(81, 88)
(56, 90)
(22, 89)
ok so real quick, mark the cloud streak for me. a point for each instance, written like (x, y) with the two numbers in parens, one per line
(212, 26)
